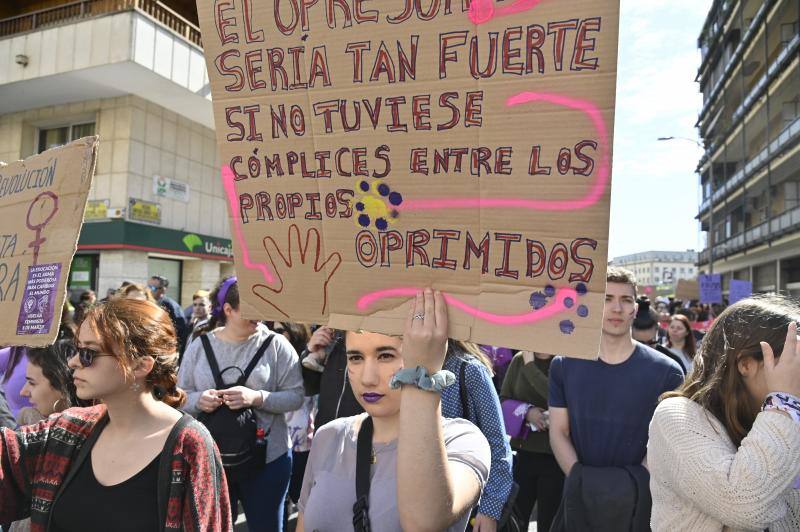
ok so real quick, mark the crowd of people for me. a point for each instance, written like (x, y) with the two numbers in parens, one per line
(147, 416)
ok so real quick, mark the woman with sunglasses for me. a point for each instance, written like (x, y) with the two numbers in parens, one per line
(131, 463)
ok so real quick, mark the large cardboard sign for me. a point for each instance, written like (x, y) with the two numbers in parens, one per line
(374, 147)
(42, 201)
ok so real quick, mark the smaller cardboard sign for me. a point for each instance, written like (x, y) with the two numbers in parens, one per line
(739, 290)
(710, 288)
(687, 290)
(42, 203)
(144, 211)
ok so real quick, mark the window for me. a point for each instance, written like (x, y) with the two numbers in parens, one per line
(683, 270)
(658, 269)
(58, 136)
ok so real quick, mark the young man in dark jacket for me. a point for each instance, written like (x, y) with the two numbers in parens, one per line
(324, 364)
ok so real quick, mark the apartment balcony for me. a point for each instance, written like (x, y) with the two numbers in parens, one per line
(100, 49)
(787, 138)
(780, 225)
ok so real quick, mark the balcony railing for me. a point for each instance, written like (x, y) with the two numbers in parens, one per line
(736, 57)
(83, 9)
(782, 141)
(780, 225)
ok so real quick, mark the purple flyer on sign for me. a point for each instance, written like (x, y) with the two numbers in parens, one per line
(36, 311)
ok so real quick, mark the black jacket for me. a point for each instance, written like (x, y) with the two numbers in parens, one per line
(665, 351)
(336, 398)
(178, 320)
(605, 499)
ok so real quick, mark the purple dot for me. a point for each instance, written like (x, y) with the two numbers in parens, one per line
(394, 214)
(568, 302)
(381, 224)
(581, 289)
(550, 290)
(538, 300)
(395, 198)
(364, 186)
(359, 206)
(363, 220)
(383, 189)
(583, 311)
(566, 326)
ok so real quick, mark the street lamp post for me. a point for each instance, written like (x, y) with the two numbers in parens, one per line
(710, 240)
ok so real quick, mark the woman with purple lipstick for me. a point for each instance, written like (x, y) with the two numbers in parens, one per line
(401, 465)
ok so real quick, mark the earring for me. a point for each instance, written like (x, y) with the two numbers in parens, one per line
(136, 387)
(55, 405)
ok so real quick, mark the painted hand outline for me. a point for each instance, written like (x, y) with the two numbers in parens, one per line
(303, 257)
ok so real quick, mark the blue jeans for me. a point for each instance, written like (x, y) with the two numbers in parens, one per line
(263, 494)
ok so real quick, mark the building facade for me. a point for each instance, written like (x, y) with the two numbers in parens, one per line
(132, 72)
(659, 268)
(750, 126)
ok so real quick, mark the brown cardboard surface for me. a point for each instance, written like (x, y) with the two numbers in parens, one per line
(42, 201)
(511, 223)
(687, 289)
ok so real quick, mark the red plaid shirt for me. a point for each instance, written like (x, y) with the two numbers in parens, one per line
(35, 461)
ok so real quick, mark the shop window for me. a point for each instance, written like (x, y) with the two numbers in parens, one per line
(82, 276)
(58, 136)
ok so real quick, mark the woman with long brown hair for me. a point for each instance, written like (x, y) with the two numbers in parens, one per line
(680, 340)
(724, 449)
(131, 463)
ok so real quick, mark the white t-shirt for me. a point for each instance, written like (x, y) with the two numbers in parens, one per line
(329, 487)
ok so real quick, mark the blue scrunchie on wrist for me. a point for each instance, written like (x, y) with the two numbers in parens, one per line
(420, 378)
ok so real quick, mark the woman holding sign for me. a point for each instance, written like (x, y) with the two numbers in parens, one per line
(724, 449)
(132, 463)
(401, 465)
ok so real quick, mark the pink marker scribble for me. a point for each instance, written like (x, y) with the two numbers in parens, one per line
(548, 311)
(482, 11)
(593, 196)
(230, 192)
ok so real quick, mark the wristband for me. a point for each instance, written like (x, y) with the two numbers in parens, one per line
(420, 378)
(783, 402)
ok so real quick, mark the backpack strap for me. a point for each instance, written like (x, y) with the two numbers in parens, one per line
(212, 362)
(462, 389)
(363, 465)
(254, 361)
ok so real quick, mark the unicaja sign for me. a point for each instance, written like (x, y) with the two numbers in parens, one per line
(193, 241)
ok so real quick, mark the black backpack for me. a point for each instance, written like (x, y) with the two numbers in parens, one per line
(234, 431)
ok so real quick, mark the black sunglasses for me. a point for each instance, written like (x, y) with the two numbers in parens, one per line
(86, 356)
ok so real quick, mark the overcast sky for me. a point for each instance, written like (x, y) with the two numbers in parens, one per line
(654, 197)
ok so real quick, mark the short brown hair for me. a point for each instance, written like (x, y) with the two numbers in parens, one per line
(131, 329)
(615, 274)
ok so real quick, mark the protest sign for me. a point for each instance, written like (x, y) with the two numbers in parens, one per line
(42, 201)
(739, 290)
(372, 148)
(710, 288)
(687, 290)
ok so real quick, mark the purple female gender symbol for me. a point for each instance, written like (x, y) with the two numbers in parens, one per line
(37, 228)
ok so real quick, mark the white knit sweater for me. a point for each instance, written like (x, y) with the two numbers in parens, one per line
(701, 482)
